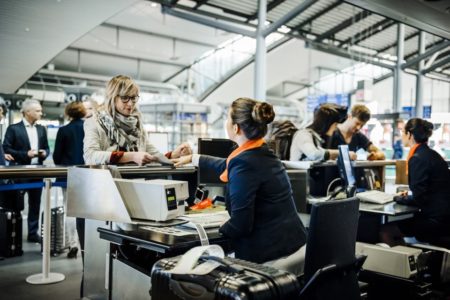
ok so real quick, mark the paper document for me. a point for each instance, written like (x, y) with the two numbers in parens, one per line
(303, 165)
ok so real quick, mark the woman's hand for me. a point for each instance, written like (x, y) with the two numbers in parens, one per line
(182, 150)
(353, 155)
(141, 158)
(182, 160)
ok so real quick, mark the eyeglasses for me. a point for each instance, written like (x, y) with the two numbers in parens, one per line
(125, 99)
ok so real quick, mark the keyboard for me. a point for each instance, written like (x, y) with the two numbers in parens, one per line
(207, 220)
(375, 196)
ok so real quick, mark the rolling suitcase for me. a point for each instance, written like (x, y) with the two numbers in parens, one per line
(10, 233)
(56, 232)
(233, 279)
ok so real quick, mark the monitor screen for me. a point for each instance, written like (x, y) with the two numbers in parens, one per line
(217, 148)
(345, 166)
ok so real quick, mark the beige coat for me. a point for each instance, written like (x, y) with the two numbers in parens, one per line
(97, 148)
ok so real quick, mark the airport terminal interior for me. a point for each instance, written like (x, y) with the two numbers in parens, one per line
(225, 149)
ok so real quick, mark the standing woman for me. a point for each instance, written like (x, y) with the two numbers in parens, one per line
(263, 225)
(115, 134)
(69, 151)
(429, 181)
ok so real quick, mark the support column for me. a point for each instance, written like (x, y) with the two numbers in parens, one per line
(260, 54)
(398, 67)
(419, 78)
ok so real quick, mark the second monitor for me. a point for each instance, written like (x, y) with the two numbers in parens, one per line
(213, 147)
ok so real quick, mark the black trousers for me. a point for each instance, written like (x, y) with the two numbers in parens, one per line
(34, 205)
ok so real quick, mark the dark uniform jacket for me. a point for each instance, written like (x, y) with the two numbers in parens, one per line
(264, 224)
(17, 144)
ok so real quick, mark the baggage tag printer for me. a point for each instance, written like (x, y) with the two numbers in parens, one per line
(155, 200)
(397, 261)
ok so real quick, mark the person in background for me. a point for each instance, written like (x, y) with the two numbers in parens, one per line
(309, 143)
(27, 143)
(69, 151)
(348, 133)
(3, 157)
(115, 134)
(91, 107)
(429, 182)
(263, 225)
(397, 147)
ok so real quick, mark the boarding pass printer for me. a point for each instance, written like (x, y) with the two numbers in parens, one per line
(397, 261)
(156, 200)
(95, 194)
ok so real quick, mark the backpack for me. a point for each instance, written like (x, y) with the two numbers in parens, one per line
(280, 139)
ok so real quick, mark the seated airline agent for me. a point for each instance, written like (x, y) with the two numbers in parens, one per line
(263, 224)
(429, 181)
(308, 143)
(348, 133)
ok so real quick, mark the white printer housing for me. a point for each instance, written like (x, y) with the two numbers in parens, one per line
(397, 261)
(156, 200)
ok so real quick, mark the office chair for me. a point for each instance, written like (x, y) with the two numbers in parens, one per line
(331, 268)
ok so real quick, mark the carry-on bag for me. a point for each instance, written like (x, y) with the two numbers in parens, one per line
(213, 277)
(10, 233)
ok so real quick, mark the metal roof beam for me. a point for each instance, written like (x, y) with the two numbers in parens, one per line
(154, 61)
(395, 43)
(163, 36)
(289, 16)
(354, 19)
(368, 32)
(344, 53)
(436, 65)
(317, 15)
(207, 22)
(270, 6)
(431, 51)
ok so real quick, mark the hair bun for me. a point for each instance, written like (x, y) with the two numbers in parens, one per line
(263, 113)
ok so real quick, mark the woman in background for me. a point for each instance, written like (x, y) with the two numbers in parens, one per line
(310, 143)
(263, 225)
(69, 151)
(115, 134)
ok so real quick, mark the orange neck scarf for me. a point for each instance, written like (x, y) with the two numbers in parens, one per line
(410, 154)
(250, 144)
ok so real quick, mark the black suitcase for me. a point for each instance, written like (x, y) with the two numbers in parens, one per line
(233, 279)
(56, 232)
(10, 233)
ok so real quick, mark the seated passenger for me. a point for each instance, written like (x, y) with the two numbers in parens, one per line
(429, 181)
(348, 133)
(115, 134)
(263, 224)
(309, 143)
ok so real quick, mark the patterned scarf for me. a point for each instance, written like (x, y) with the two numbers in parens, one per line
(122, 131)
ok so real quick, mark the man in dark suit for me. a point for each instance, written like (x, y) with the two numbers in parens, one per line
(27, 143)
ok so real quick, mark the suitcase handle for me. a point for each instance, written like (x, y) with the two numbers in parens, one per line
(230, 266)
(188, 290)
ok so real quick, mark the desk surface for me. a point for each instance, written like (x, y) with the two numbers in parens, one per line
(358, 163)
(160, 242)
(38, 171)
(389, 209)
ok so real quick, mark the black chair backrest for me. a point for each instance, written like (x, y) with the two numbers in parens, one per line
(332, 239)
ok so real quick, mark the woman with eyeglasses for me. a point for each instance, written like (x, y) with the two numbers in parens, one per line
(429, 182)
(115, 134)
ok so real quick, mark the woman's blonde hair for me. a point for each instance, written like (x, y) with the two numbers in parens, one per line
(119, 85)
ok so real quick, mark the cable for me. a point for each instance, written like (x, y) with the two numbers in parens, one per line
(331, 183)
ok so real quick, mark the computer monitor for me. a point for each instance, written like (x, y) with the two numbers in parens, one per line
(214, 147)
(345, 167)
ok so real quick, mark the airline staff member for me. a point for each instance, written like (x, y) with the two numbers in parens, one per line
(429, 181)
(263, 224)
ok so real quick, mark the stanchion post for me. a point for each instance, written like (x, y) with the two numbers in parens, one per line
(46, 277)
